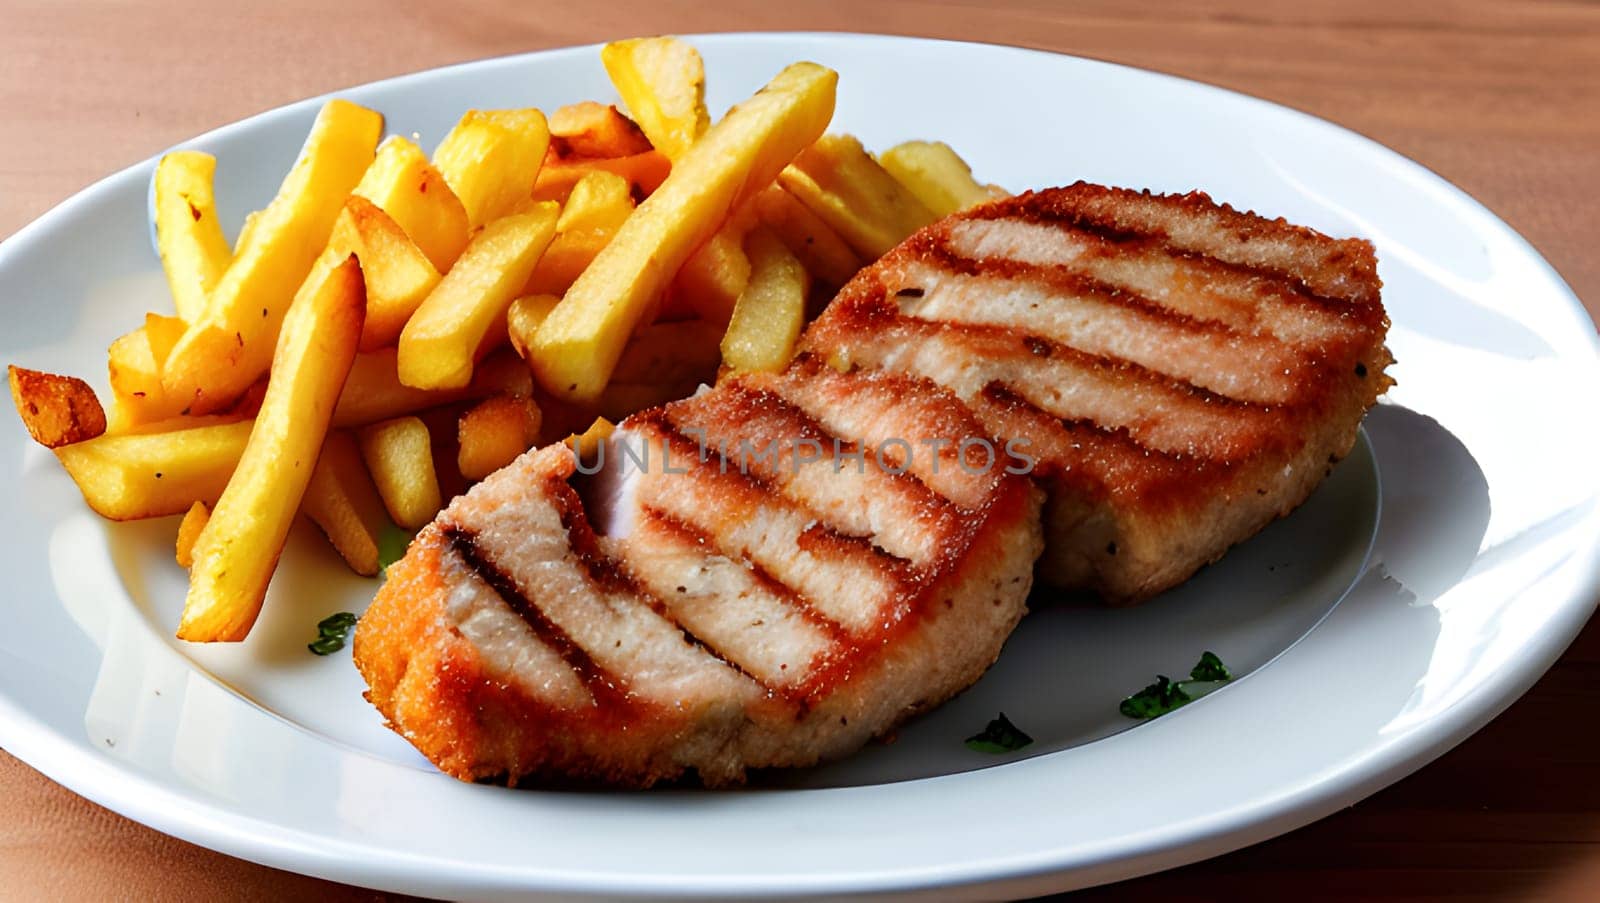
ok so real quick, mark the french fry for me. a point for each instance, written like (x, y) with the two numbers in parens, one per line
(373, 391)
(399, 275)
(663, 83)
(399, 455)
(246, 231)
(840, 182)
(645, 172)
(56, 410)
(494, 432)
(194, 520)
(586, 444)
(134, 364)
(825, 255)
(578, 345)
(236, 553)
(766, 322)
(938, 177)
(442, 340)
(590, 129)
(675, 352)
(709, 282)
(592, 214)
(341, 500)
(194, 252)
(230, 344)
(491, 160)
(600, 202)
(416, 196)
(157, 469)
(523, 318)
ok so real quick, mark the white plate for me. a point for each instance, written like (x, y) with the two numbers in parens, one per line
(1481, 569)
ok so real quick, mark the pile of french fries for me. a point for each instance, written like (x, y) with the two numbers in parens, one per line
(394, 326)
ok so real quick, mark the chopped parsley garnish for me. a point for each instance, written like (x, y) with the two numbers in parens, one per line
(1001, 736)
(332, 632)
(1167, 694)
(1210, 668)
(392, 544)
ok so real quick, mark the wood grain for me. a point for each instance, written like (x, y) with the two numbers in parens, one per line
(1502, 98)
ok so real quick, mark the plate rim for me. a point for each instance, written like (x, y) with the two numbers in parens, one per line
(129, 791)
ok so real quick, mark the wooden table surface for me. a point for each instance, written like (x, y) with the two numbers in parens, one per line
(1502, 98)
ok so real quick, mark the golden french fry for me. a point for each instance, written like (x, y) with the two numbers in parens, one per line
(523, 318)
(341, 500)
(663, 82)
(601, 201)
(767, 320)
(590, 129)
(399, 275)
(136, 392)
(230, 344)
(373, 390)
(586, 444)
(826, 256)
(494, 432)
(156, 469)
(645, 172)
(194, 520)
(674, 352)
(194, 252)
(841, 183)
(236, 553)
(134, 363)
(399, 455)
(709, 282)
(565, 260)
(578, 345)
(442, 340)
(592, 214)
(491, 160)
(56, 410)
(936, 174)
(415, 194)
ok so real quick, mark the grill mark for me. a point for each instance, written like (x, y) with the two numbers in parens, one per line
(1162, 477)
(1111, 243)
(1085, 223)
(800, 424)
(1056, 210)
(806, 692)
(879, 312)
(936, 410)
(604, 572)
(607, 690)
(610, 575)
(877, 315)
(899, 571)
(1308, 359)
(1071, 281)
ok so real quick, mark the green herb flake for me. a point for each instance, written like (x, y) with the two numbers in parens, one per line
(392, 545)
(1167, 694)
(332, 632)
(1210, 668)
(1001, 736)
(1157, 699)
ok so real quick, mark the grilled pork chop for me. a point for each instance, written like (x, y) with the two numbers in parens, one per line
(737, 612)
(1183, 373)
